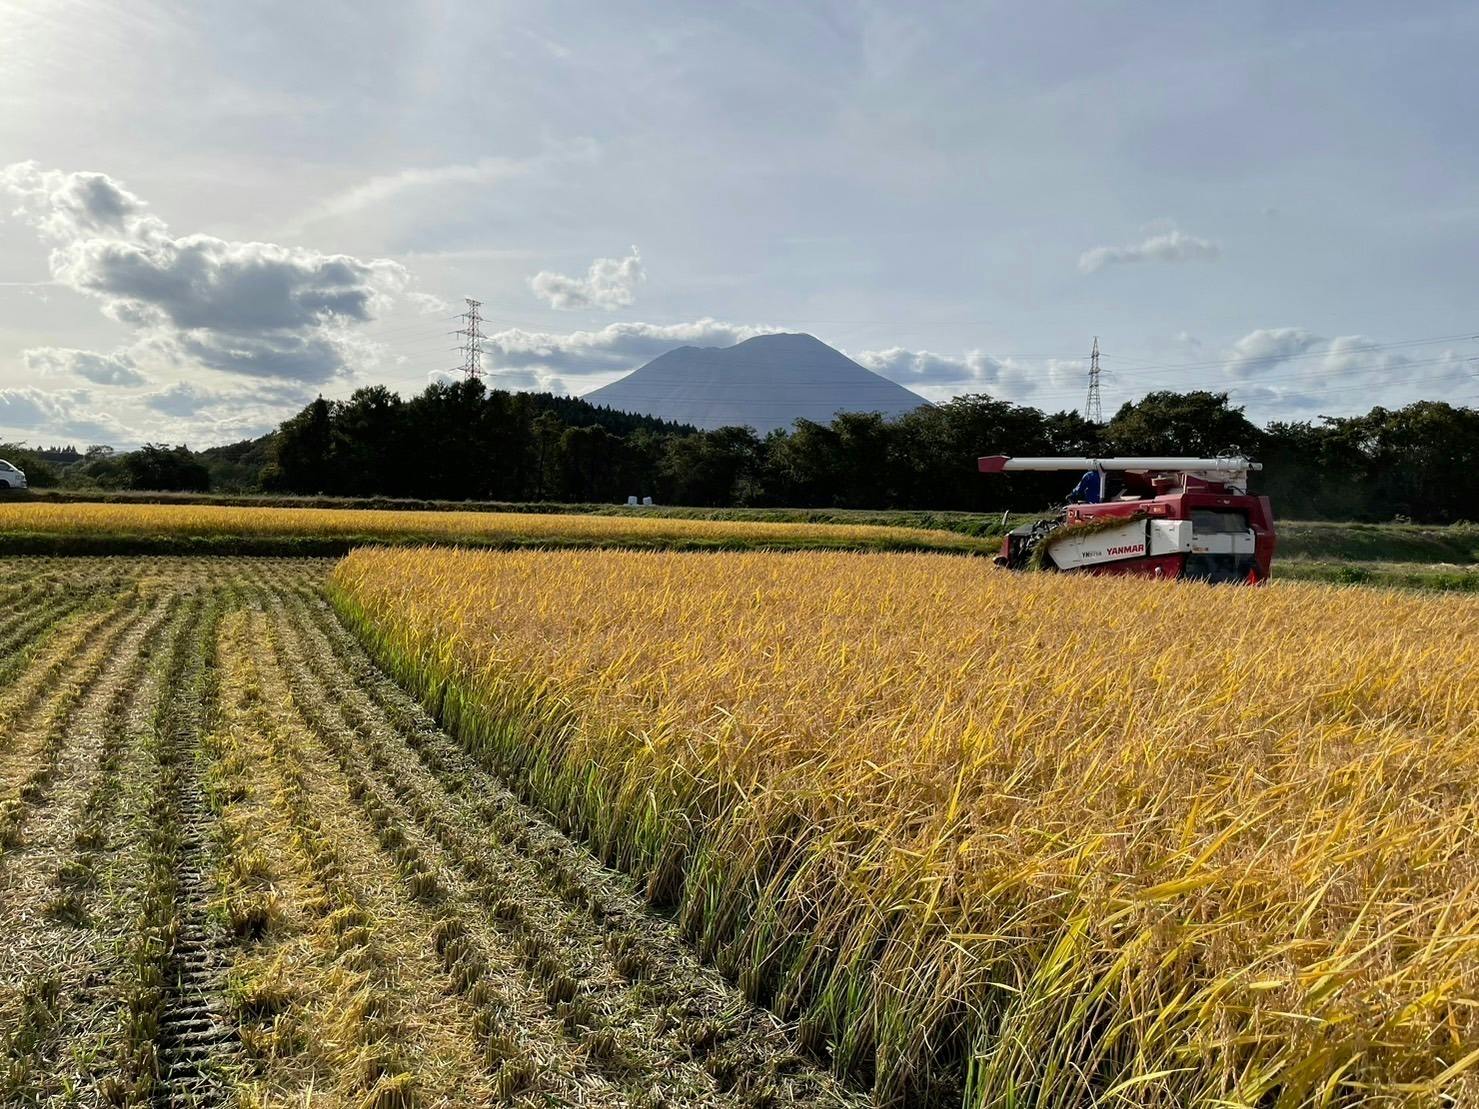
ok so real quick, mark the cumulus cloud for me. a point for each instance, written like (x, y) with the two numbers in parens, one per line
(1263, 349)
(1279, 373)
(1171, 245)
(181, 412)
(530, 381)
(117, 368)
(974, 371)
(615, 347)
(428, 304)
(185, 399)
(925, 368)
(66, 414)
(1290, 372)
(609, 283)
(250, 308)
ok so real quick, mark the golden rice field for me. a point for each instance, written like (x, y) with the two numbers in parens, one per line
(196, 528)
(1001, 840)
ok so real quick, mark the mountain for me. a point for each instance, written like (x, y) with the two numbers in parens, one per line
(765, 383)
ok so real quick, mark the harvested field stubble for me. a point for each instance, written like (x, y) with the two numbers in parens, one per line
(245, 868)
(1012, 840)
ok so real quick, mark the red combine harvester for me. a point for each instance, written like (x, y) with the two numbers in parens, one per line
(1150, 517)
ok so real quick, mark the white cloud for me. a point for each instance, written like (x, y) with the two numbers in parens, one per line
(1284, 372)
(1162, 246)
(182, 412)
(615, 347)
(68, 414)
(609, 283)
(1289, 372)
(529, 381)
(943, 375)
(428, 304)
(384, 187)
(1263, 349)
(117, 368)
(250, 308)
(185, 399)
(925, 368)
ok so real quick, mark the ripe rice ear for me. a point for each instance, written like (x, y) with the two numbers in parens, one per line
(995, 838)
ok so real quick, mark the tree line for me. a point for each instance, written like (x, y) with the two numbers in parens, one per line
(459, 441)
(152, 466)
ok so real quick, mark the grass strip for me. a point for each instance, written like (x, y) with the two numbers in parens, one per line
(1420, 576)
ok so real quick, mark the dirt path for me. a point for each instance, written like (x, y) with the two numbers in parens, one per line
(244, 867)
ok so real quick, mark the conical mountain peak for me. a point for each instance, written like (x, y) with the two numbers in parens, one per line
(766, 382)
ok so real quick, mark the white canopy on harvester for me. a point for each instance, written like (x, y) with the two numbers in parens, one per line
(1231, 470)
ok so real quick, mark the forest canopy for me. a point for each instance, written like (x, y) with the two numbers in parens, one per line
(460, 441)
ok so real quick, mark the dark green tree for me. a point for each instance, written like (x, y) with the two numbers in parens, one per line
(1199, 423)
(1421, 461)
(302, 456)
(156, 466)
(546, 433)
(804, 466)
(711, 468)
(590, 464)
(367, 444)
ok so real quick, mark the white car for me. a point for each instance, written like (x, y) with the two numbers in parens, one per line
(10, 477)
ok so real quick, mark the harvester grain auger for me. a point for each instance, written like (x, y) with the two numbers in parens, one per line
(1150, 517)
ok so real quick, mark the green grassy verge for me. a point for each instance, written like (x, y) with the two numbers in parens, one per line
(1446, 578)
(1458, 543)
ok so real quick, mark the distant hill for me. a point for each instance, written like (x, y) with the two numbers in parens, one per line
(765, 383)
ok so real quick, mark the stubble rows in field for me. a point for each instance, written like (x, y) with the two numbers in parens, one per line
(241, 866)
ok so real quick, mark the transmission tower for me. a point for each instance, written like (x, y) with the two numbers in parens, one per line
(1094, 406)
(472, 339)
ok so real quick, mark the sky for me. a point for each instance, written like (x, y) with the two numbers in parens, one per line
(211, 212)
